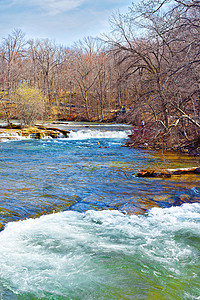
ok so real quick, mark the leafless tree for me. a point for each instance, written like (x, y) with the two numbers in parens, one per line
(159, 49)
(46, 57)
(12, 52)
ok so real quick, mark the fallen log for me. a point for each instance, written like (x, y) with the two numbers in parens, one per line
(168, 172)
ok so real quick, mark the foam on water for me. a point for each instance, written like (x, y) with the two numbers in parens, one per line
(98, 134)
(8, 136)
(104, 255)
(74, 135)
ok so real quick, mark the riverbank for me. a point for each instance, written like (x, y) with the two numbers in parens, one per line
(147, 137)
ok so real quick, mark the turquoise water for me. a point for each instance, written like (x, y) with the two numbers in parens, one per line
(107, 234)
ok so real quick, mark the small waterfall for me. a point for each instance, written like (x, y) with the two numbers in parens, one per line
(98, 134)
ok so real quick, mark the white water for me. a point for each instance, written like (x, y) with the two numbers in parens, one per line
(98, 134)
(74, 135)
(82, 255)
(7, 136)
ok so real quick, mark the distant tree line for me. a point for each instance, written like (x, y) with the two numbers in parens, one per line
(147, 68)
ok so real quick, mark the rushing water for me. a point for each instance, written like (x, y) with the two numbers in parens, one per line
(108, 234)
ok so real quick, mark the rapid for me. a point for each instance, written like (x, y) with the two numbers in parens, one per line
(78, 224)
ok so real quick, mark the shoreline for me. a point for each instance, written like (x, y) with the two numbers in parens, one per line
(145, 137)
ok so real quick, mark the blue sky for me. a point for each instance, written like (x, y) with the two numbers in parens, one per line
(65, 21)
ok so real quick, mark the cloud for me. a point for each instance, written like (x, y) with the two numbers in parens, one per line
(54, 7)
(49, 7)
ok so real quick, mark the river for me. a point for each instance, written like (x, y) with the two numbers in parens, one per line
(78, 224)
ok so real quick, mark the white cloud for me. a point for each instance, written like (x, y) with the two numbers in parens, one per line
(54, 7)
(50, 7)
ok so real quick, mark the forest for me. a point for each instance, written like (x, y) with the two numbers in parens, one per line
(146, 69)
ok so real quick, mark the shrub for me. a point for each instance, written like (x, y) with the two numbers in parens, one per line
(30, 104)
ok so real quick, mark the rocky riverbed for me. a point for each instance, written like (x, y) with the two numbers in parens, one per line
(36, 132)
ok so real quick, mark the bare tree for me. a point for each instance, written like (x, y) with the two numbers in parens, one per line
(86, 71)
(159, 49)
(12, 52)
(46, 56)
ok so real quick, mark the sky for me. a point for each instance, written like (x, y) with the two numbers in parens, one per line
(64, 21)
